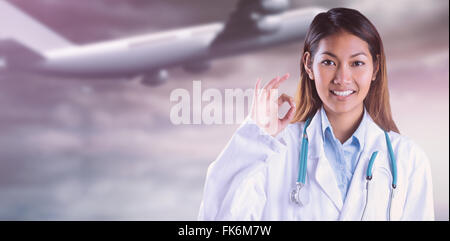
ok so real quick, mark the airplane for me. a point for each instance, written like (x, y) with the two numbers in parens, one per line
(27, 46)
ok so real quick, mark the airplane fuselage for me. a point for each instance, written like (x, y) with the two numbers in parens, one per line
(152, 52)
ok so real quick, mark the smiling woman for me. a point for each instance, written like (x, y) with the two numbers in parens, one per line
(360, 167)
(342, 56)
(343, 79)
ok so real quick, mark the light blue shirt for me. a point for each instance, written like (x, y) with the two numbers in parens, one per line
(343, 158)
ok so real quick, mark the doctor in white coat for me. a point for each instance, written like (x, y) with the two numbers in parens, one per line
(343, 91)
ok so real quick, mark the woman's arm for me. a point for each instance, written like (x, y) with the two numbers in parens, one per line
(235, 182)
(419, 198)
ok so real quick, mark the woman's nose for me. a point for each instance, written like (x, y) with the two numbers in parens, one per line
(343, 75)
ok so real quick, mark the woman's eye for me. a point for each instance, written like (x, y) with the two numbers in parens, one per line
(358, 63)
(328, 62)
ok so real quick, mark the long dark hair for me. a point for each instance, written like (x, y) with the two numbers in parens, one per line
(352, 21)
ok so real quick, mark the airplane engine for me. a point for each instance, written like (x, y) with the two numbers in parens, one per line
(154, 78)
(253, 17)
(273, 6)
(197, 67)
(3, 63)
(268, 24)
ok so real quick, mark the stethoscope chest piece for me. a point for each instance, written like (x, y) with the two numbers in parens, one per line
(295, 194)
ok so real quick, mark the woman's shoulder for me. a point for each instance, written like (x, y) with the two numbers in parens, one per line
(402, 141)
(292, 132)
(409, 150)
(295, 128)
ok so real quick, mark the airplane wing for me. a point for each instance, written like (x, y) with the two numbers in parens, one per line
(27, 30)
(23, 40)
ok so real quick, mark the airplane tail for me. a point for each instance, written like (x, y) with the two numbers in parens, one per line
(23, 37)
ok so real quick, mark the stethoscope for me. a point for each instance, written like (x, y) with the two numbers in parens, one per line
(295, 194)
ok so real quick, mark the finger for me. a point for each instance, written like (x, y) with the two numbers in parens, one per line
(273, 89)
(265, 91)
(255, 97)
(277, 83)
(258, 82)
(288, 117)
(270, 83)
(281, 80)
(285, 98)
(256, 92)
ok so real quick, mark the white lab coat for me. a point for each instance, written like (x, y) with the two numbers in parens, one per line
(253, 177)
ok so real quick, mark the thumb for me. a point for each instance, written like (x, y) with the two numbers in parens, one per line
(289, 115)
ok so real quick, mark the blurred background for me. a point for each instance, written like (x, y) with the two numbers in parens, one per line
(105, 149)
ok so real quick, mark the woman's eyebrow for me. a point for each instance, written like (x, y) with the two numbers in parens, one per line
(329, 53)
(351, 56)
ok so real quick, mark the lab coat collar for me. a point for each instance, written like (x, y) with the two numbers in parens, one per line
(323, 171)
(375, 141)
(359, 132)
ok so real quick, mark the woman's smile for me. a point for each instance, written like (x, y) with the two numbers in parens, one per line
(342, 95)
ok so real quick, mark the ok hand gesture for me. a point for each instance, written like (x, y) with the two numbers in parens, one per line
(264, 110)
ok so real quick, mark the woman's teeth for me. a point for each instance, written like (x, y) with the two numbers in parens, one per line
(343, 93)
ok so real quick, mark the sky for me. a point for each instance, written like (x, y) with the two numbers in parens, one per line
(105, 149)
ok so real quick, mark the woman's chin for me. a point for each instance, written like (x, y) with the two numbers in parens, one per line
(342, 108)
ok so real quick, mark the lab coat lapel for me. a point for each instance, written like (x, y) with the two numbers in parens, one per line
(323, 172)
(356, 195)
(355, 200)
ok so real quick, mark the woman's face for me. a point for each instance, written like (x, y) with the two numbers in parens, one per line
(342, 70)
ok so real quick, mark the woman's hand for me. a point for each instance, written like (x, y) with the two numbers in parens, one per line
(265, 106)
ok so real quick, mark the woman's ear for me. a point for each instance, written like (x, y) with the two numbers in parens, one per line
(376, 68)
(307, 64)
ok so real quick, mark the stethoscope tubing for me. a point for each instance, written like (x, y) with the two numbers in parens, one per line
(393, 160)
(303, 154)
(304, 159)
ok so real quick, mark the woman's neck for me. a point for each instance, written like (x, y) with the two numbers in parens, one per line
(345, 124)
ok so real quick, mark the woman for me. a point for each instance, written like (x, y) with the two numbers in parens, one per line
(341, 158)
